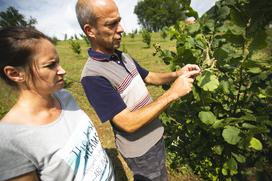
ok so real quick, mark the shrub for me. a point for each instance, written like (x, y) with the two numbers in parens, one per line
(146, 35)
(223, 128)
(75, 46)
(85, 38)
(164, 33)
(54, 40)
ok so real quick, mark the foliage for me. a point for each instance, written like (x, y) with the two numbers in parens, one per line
(54, 40)
(12, 17)
(85, 38)
(146, 35)
(133, 33)
(164, 32)
(224, 127)
(124, 49)
(156, 14)
(75, 46)
(3, 111)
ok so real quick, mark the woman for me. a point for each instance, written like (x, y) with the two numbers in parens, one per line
(45, 135)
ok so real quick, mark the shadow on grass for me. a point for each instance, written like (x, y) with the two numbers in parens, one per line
(120, 174)
(146, 47)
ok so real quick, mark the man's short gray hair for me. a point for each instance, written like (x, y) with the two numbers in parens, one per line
(85, 13)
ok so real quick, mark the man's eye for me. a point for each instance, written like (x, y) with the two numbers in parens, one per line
(113, 24)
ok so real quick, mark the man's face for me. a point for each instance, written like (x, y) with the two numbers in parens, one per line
(108, 31)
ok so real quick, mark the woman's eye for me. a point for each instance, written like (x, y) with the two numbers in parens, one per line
(52, 65)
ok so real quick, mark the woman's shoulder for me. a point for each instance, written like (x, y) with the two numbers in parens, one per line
(66, 99)
(13, 116)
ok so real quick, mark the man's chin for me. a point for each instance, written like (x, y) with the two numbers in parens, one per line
(116, 46)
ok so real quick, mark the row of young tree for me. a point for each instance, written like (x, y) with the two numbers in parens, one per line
(222, 131)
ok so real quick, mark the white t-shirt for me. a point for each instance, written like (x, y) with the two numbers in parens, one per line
(66, 149)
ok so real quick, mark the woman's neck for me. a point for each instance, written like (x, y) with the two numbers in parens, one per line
(33, 108)
(36, 101)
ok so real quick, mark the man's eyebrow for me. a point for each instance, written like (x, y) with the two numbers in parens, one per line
(113, 20)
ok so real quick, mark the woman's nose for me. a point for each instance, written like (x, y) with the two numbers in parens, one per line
(61, 71)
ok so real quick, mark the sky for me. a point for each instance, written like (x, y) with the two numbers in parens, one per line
(57, 17)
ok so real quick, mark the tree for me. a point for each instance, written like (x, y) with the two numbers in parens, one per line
(54, 40)
(153, 15)
(223, 128)
(146, 35)
(75, 46)
(12, 17)
(85, 38)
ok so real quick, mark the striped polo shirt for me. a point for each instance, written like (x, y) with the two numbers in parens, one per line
(113, 83)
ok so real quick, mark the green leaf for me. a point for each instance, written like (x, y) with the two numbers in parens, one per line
(248, 126)
(255, 144)
(237, 17)
(224, 171)
(210, 24)
(240, 158)
(217, 124)
(220, 54)
(225, 86)
(208, 81)
(224, 12)
(255, 70)
(192, 28)
(218, 149)
(196, 94)
(259, 41)
(231, 135)
(207, 117)
(199, 39)
(231, 164)
(235, 29)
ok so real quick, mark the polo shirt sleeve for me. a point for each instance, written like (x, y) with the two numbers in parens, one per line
(143, 72)
(105, 100)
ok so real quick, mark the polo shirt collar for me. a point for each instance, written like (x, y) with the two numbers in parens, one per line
(98, 56)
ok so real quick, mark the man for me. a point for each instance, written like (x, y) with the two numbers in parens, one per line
(114, 85)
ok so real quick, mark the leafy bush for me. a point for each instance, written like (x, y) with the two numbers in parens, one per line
(146, 35)
(124, 49)
(85, 38)
(164, 33)
(75, 46)
(223, 129)
(54, 40)
(132, 35)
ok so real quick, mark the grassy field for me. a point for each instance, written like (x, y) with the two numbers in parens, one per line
(73, 64)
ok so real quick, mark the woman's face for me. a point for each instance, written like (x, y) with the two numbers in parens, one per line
(48, 74)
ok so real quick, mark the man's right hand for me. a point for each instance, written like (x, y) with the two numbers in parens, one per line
(183, 84)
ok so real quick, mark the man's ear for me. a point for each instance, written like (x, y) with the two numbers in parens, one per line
(15, 74)
(89, 30)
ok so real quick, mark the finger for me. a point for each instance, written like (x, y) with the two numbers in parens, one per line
(194, 67)
(191, 80)
(191, 73)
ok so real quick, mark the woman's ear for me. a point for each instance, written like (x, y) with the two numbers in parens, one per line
(15, 74)
(89, 30)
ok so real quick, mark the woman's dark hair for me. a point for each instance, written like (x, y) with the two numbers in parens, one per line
(17, 48)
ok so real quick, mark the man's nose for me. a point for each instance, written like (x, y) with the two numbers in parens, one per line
(120, 28)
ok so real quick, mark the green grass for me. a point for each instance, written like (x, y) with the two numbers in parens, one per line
(73, 65)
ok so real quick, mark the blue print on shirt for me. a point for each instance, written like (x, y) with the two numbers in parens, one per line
(86, 148)
(85, 155)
